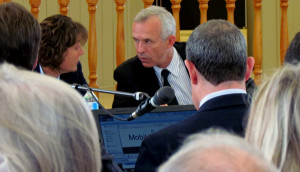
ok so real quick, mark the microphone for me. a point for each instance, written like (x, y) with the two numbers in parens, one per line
(163, 96)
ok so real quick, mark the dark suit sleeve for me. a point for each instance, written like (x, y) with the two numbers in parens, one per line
(148, 159)
(80, 77)
(123, 84)
(131, 77)
(250, 88)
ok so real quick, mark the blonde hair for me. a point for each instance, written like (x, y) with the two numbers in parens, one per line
(274, 123)
(45, 125)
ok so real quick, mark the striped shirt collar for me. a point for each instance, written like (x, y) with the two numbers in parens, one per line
(172, 67)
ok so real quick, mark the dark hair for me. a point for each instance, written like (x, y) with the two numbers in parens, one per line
(292, 55)
(82, 32)
(58, 34)
(20, 36)
(217, 48)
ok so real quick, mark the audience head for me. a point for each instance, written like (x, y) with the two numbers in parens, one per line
(292, 55)
(60, 48)
(217, 58)
(218, 50)
(154, 30)
(20, 36)
(44, 125)
(274, 121)
(214, 152)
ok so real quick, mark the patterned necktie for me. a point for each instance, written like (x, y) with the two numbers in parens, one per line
(165, 73)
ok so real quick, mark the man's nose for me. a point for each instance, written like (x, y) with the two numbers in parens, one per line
(140, 48)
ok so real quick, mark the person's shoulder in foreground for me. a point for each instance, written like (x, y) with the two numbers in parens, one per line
(273, 123)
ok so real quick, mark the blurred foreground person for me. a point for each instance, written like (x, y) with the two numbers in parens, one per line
(274, 120)
(214, 152)
(44, 125)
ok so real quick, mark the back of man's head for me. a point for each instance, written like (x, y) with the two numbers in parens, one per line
(218, 50)
(20, 36)
(213, 152)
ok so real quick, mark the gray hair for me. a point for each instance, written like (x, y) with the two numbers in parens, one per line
(168, 24)
(218, 50)
(274, 120)
(216, 150)
(45, 125)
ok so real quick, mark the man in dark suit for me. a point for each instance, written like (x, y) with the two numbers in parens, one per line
(154, 31)
(154, 36)
(218, 66)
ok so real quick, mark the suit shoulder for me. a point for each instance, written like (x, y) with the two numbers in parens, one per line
(179, 44)
(132, 68)
(129, 64)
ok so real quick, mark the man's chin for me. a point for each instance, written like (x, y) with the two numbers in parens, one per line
(147, 65)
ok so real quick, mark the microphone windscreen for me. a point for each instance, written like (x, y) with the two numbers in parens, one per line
(163, 96)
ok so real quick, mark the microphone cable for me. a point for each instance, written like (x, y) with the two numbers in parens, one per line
(106, 111)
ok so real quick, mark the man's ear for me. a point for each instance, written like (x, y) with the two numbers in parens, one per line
(250, 64)
(192, 71)
(171, 40)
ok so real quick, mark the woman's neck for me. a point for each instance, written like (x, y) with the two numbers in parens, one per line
(51, 72)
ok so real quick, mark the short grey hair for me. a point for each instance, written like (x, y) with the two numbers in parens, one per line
(198, 150)
(218, 50)
(168, 24)
(45, 125)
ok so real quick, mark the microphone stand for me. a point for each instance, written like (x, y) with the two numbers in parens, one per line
(139, 96)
